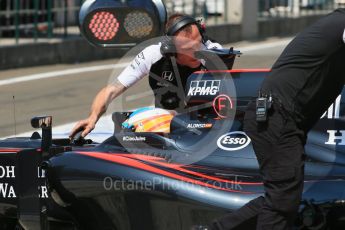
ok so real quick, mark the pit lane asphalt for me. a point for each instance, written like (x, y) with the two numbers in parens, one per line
(68, 98)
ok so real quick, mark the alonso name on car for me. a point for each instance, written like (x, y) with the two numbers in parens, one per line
(204, 88)
(233, 141)
(199, 126)
(135, 138)
(336, 137)
(333, 110)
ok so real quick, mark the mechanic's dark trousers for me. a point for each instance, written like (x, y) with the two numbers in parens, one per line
(279, 148)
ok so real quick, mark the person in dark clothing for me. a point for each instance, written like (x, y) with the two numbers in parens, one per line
(304, 81)
(168, 64)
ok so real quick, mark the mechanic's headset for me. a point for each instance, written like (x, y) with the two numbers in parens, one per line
(168, 48)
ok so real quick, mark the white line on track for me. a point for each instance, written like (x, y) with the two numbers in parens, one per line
(121, 65)
(60, 73)
(104, 127)
(265, 45)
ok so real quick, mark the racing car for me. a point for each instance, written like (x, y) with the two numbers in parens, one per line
(203, 168)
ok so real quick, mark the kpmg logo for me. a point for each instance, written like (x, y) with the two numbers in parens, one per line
(204, 88)
(233, 141)
(168, 76)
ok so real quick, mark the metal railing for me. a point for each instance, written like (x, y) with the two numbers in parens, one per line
(33, 20)
(27, 21)
(23, 21)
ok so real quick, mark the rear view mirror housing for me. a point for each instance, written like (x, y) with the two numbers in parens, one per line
(45, 123)
(41, 122)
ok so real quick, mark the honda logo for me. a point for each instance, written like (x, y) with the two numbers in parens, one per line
(168, 76)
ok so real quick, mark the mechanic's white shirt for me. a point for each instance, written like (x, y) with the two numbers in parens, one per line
(344, 36)
(141, 65)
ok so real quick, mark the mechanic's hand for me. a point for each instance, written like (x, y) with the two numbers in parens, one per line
(87, 125)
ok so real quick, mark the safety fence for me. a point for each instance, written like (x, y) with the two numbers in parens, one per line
(23, 21)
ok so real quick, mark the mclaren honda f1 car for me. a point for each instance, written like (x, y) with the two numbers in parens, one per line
(204, 168)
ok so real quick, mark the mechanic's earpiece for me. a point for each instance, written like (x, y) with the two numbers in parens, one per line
(168, 48)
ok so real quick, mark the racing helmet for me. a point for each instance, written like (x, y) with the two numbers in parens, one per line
(149, 119)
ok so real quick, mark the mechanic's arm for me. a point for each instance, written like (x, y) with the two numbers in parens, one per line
(138, 68)
(98, 108)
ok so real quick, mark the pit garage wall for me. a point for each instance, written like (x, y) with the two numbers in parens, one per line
(78, 50)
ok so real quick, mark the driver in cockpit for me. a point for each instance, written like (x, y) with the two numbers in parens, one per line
(168, 65)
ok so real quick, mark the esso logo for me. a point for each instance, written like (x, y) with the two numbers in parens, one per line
(233, 141)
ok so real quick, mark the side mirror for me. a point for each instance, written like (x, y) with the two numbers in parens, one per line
(121, 23)
(45, 123)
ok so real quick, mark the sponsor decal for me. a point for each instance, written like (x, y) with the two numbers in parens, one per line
(233, 141)
(7, 189)
(137, 61)
(204, 88)
(333, 111)
(199, 126)
(6, 172)
(222, 104)
(336, 137)
(134, 138)
(168, 76)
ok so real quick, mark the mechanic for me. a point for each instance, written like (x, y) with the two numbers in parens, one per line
(168, 65)
(303, 83)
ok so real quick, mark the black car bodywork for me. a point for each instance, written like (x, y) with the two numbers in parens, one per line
(141, 181)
